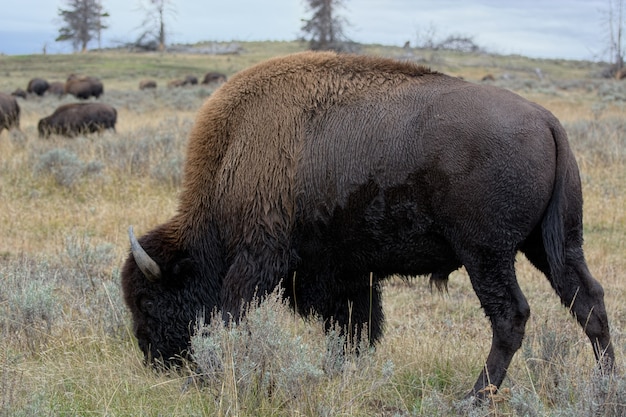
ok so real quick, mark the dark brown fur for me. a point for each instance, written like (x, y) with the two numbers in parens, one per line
(78, 118)
(334, 167)
(9, 112)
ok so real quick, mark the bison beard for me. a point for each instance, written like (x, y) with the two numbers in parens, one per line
(335, 167)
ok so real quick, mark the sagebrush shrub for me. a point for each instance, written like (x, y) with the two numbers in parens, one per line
(65, 167)
(266, 355)
(28, 301)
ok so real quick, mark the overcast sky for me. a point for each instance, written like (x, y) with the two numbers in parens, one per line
(572, 29)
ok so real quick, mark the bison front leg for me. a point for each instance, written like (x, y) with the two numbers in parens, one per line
(504, 303)
(357, 310)
(251, 274)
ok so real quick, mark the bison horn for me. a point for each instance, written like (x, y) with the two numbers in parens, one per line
(146, 264)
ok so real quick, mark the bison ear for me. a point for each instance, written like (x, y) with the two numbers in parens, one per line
(180, 273)
(183, 268)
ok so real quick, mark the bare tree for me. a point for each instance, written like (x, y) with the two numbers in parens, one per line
(615, 20)
(325, 28)
(154, 28)
(83, 22)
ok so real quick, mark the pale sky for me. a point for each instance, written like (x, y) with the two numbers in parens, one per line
(572, 29)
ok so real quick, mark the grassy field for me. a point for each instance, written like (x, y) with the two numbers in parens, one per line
(66, 345)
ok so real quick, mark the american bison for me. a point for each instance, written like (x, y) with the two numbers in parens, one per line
(314, 170)
(214, 78)
(37, 86)
(175, 83)
(19, 92)
(188, 80)
(57, 88)
(83, 87)
(9, 112)
(78, 118)
(191, 80)
(147, 84)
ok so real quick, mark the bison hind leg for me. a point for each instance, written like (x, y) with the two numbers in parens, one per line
(493, 278)
(579, 291)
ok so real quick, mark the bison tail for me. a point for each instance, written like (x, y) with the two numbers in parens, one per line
(553, 225)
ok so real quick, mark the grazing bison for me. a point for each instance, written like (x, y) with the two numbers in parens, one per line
(57, 88)
(147, 84)
(325, 168)
(190, 80)
(19, 93)
(37, 86)
(175, 83)
(9, 112)
(83, 87)
(78, 118)
(213, 78)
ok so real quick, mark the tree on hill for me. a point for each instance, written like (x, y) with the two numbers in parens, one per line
(83, 21)
(616, 22)
(154, 29)
(324, 29)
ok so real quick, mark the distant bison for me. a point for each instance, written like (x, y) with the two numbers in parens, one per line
(83, 87)
(147, 84)
(37, 86)
(190, 80)
(9, 112)
(19, 92)
(78, 118)
(213, 78)
(326, 173)
(57, 88)
(176, 83)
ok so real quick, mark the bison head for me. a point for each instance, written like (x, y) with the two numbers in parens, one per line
(165, 293)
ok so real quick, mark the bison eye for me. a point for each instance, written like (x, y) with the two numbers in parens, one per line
(146, 305)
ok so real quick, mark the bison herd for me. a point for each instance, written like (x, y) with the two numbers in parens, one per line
(69, 119)
(74, 119)
(210, 78)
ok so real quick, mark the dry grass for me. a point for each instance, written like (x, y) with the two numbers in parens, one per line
(66, 346)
